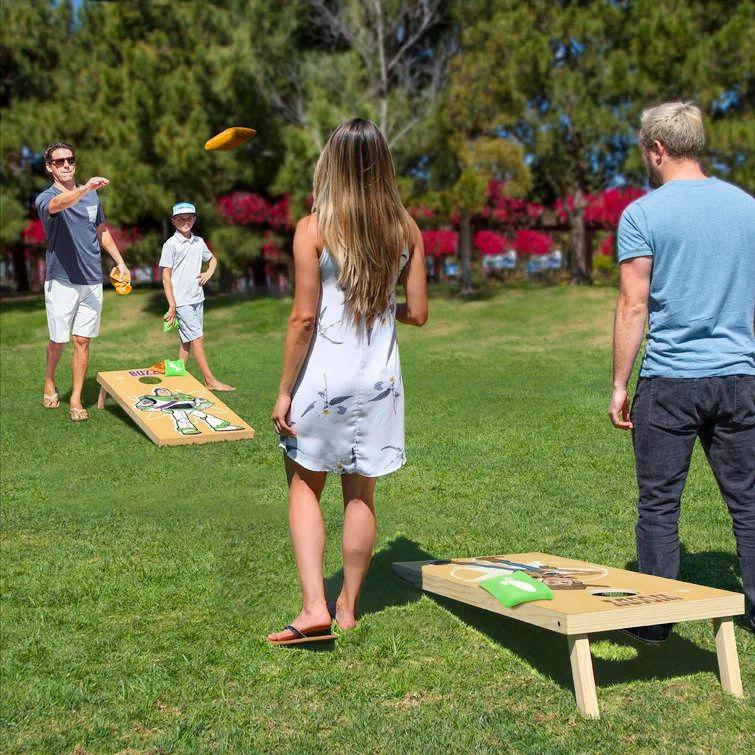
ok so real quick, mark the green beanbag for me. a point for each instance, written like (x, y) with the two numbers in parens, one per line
(168, 326)
(516, 588)
(174, 367)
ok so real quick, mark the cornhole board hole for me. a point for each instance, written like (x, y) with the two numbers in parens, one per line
(587, 598)
(172, 411)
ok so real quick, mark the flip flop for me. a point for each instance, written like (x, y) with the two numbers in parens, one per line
(299, 637)
(50, 400)
(78, 415)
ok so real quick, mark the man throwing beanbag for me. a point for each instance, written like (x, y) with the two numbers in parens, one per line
(75, 231)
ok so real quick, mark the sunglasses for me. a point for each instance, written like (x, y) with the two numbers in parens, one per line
(61, 161)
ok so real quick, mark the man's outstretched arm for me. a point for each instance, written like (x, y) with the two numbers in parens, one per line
(628, 330)
(69, 198)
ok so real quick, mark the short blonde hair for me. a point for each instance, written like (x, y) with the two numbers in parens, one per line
(678, 126)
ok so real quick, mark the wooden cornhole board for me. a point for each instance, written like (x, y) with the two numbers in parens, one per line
(587, 598)
(174, 411)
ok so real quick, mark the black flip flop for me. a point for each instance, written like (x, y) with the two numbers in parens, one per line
(299, 637)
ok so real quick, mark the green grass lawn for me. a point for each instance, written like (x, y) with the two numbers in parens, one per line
(139, 582)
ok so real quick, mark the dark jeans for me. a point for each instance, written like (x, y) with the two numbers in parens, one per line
(668, 414)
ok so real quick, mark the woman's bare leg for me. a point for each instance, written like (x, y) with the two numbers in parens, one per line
(359, 530)
(308, 538)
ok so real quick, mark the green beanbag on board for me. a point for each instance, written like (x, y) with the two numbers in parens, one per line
(516, 588)
(174, 367)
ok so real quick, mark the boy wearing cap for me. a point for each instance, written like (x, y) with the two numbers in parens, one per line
(181, 261)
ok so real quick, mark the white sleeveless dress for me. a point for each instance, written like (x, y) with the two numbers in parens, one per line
(347, 405)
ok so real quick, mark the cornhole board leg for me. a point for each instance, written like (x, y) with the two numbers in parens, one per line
(582, 674)
(728, 660)
(101, 398)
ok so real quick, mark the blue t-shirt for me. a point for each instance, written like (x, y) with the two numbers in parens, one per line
(73, 250)
(701, 236)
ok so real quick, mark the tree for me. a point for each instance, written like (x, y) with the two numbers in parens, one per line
(569, 79)
(138, 108)
(385, 60)
(465, 150)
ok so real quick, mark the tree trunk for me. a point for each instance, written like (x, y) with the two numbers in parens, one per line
(226, 279)
(465, 252)
(20, 272)
(383, 85)
(579, 272)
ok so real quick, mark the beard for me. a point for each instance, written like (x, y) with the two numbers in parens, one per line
(654, 177)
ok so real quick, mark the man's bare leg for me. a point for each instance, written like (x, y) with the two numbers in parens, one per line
(197, 349)
(54, 352)
(80, 364)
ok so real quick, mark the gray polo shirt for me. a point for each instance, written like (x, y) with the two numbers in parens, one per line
(73, 250)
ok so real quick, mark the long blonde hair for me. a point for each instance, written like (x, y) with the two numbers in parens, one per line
(360, 217)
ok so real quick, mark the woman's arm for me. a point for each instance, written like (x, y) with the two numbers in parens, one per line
(414, 279)
(301, 323)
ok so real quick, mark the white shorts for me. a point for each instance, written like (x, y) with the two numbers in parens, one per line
(190, 321)
(72, 308)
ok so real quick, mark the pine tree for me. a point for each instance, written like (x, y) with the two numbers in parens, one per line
(570, 78)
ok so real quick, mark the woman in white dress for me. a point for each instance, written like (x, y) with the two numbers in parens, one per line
(340, 405)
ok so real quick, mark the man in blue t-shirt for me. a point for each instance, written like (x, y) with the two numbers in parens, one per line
(75, 230)
(687, 264)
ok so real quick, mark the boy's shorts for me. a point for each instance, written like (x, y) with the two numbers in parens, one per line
(190, 321)
(72, 308)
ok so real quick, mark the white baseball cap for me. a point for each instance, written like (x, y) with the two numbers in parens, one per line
(184, 208)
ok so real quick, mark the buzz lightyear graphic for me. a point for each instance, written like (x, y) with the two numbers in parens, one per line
(182, 407)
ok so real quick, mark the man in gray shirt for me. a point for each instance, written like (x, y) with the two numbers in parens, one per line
(75, 229)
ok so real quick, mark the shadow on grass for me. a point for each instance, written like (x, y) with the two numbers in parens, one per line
(711, 568)
(381, 589)
(89, 396)
(547, 652)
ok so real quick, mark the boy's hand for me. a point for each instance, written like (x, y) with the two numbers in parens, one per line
(204, 277)
(124, 272)
(170, 315)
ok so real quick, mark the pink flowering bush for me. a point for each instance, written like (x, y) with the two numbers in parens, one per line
(440, 243)
(603, 209)
(248, 208)
(490, 243)
(34, 233)
(532, 243)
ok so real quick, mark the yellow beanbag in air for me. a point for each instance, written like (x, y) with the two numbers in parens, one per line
(229, 139)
